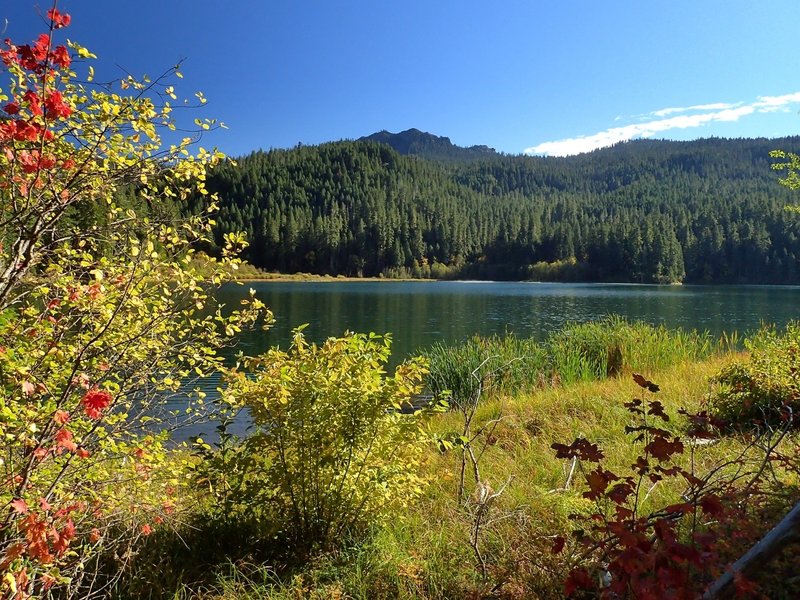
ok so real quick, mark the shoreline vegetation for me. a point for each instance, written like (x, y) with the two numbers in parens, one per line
(431, 549)
(244, 271)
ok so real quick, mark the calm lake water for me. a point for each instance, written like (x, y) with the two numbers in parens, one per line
(418, 313)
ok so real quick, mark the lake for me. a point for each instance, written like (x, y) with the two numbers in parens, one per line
(420, 313)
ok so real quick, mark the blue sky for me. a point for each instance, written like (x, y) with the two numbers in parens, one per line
(544, 77)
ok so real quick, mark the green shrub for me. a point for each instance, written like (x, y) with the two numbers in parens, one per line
(560, 270)
(333, 452)
(766, 388)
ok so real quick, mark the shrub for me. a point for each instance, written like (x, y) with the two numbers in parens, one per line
(333, 451)
(766, 388)
(101, 317)
(624, 550)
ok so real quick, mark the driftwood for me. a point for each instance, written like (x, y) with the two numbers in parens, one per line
(784, 533)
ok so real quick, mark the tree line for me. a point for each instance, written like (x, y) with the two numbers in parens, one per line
(649, 211)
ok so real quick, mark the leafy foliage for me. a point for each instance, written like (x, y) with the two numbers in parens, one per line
(101, 321)
(790, 163)
(334, 451)
(765, 389)
(635, 553)
(629, 546)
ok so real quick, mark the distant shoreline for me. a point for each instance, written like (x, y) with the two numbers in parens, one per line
(287, 278)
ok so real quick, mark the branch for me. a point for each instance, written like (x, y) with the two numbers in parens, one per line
(753, 561)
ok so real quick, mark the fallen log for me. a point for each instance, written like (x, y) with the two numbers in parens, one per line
(783, 534)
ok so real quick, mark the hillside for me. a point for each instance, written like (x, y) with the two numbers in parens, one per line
(707, 211)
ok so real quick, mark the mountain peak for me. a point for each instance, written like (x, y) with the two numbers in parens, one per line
(427, 145)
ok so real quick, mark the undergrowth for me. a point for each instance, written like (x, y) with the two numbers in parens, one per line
(526, 545)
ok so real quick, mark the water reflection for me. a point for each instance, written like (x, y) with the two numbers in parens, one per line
(420, 313)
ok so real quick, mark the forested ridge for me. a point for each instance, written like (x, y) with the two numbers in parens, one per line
(643, 211)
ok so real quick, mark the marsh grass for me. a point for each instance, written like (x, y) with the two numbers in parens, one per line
(613, 346)
(507, 363)
(579, 352)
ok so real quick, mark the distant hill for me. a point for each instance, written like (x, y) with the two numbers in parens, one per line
(649, 211)
(431, 147)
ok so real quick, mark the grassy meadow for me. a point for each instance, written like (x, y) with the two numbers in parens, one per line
(447, 544)
(426, 553)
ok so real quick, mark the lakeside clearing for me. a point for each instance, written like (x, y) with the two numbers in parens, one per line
(428, 551)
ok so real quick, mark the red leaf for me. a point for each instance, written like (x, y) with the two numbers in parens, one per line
(681, 508)
(664, 529)
(642, 382)
(59, 19)
(12, 553)
(63, 439)
(744, 587)
(657, 410)
(662, 449)
(620, 493)
(578, 579)
(580, 448)
(558, 545)
(20, 506)
(95, 401)
(598, 481)
(633, 407)
(61, 417)
(712, 505)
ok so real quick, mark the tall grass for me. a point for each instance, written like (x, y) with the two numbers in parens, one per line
(578, 352)
(505, 362)
(613, 345)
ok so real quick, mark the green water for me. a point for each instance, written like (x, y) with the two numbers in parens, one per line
(418, 314)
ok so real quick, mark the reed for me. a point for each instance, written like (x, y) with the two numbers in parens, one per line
(577, 353)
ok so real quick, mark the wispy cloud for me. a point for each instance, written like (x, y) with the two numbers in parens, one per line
(666, 119)
(713, 106)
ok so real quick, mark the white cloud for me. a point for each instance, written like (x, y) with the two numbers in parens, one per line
(702, 114)
(775, 103)
(713, 106)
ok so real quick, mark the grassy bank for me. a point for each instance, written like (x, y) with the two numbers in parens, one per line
(499, 514)
(426, 552)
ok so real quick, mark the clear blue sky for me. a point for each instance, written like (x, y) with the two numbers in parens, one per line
(544, 76)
